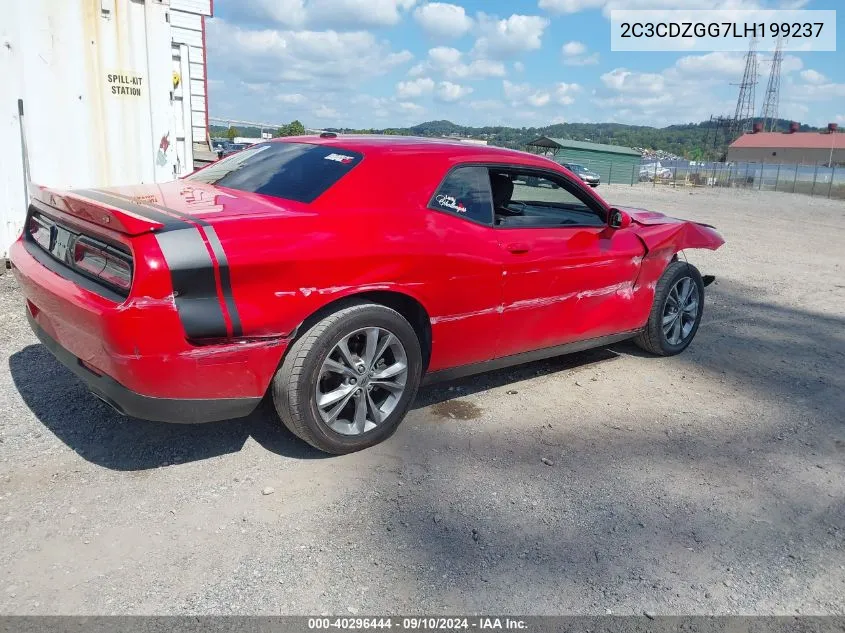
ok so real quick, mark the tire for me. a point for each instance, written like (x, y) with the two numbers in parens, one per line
(308, 372)
(654, 338)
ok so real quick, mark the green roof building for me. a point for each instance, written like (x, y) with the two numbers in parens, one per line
(613, 163)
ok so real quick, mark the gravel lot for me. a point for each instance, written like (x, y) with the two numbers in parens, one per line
(711, 482)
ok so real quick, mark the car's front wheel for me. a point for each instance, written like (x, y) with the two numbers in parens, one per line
(676, 311)
(347, 382)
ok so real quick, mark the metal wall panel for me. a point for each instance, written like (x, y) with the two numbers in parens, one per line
(187, 36)
(202, 7)
(95, 85)
(182, 20)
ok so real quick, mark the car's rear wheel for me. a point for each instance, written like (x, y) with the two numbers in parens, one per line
(676, 312)
(347, 382)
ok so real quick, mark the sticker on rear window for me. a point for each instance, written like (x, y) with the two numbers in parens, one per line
(340, 158)
(449, 202)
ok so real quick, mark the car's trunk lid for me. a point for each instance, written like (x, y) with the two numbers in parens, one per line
(137, 209)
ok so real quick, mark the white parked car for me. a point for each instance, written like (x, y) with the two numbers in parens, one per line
(654, 170)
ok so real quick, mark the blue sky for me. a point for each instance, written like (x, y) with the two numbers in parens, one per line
(391, 63)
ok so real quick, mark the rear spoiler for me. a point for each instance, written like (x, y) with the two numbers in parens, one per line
(121, 215)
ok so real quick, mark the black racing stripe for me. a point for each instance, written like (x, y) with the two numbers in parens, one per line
(222, 261)
(225, 279)
(214, 242)
(194, 284)
(127, 204)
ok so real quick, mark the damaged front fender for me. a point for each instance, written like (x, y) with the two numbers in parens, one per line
(661, 232)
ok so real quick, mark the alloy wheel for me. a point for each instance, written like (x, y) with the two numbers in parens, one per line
(680, 311)
(361, 381)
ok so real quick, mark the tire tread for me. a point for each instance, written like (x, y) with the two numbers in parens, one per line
(287, 396)
(651, 337)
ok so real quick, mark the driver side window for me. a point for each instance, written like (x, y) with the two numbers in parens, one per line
(533, 199)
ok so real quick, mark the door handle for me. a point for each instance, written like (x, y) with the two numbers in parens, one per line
(518, 248)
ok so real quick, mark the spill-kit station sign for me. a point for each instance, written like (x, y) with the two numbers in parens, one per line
(125, 84)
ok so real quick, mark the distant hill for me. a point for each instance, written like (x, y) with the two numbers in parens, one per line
(694, 141)
(690, 140)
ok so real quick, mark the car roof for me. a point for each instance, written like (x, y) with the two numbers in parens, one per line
(376, 144)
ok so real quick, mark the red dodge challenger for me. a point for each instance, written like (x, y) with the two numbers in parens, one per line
(338, 273)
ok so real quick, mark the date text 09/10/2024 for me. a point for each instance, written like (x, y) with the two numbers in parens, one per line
(418, 623)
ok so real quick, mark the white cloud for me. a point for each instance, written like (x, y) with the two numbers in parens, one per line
(728, 65)
(572, 49)
(717, 63)
(325, 112)
(308, 57)
(539, 99)
(451, 92)
(519, 67)
(586, 60)
(444, 56)
(476, 69)
(510, 36)
(659, 98)
(626, 81)
(565, 93)
(291, 99)
(415, 88)
(693, 89)
(409, 106)
(450, 63)
(418, 69)
(575, 54)
(817, 91)
(574, 6)
(521, 94)
(319, 14)
(440, 20)
(813, 77)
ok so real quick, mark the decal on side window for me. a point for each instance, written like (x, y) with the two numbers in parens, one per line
(465, 192)
(449, 202)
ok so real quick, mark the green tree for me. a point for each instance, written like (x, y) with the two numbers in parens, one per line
(231, 133)
(294, 128)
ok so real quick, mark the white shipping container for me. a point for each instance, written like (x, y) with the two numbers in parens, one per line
(104, 89)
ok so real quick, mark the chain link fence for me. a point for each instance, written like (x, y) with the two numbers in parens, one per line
(813, 180)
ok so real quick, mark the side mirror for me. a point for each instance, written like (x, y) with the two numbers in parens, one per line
(618, 219)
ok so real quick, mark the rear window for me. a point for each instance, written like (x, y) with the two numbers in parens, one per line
(295, 171)
(465, 192)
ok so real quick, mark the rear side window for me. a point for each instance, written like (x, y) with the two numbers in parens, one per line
(295, 171)
(465, 192)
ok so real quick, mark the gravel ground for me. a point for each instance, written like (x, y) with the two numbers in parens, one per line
(607, 481)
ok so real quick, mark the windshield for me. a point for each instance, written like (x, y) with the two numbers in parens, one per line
(295, 171)
(576, 168)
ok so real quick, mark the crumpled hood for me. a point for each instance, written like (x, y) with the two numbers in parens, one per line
(659, 231)
(647, 218)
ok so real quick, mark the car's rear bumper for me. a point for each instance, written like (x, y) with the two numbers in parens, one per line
(136, 356)
(128, 402)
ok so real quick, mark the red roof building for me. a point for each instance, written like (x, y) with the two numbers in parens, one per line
(806, 148)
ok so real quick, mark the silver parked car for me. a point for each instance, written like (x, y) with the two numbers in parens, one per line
(589, 177)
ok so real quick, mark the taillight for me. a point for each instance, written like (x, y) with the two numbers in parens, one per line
(102, 261)
(39, 229)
